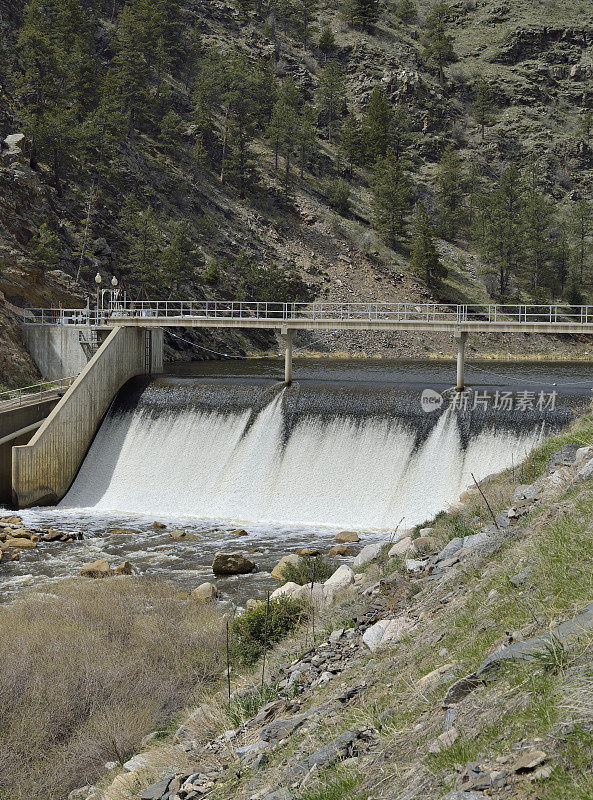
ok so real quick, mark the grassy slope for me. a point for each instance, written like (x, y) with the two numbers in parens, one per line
(461, 619)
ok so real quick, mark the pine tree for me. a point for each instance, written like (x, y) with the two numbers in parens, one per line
(392, 197)
(338, 196)
(304, 13)
(172, 127)
(350, 148)
(327, 42)
(406, 11)
(537, 220)
(179, 258)
(377, 126)
(361, 13)
(436, 42)
(145, 250)
(306, 135)
(331, 94)
(45, 248)
(483, 104)
(450, 183)
(581, 219)
(130, 63)
(399, 132)
(425, 261)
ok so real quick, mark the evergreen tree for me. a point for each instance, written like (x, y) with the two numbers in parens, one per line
(406, 11)
(377, 126)
(449, 182)
(130, 63)
(483, 104)
(304, 13)
(331, 94)
(306, 135)
(436, 42)
(172, 127)
(327, 42)
(101, 131)
(392, 197)
(338, 196)
(361, 13)
(179, 258)
(399, 133)
(537, 219)
(573, 293)
(499, 226)
(350, 148)
(581, 219)
(45, 248)
(145, 249)
(425, 261)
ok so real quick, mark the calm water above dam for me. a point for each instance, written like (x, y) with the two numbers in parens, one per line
(219, 445)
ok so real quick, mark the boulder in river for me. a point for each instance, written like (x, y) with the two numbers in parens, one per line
(11, 521)
(238, 532)
(182, 536)
(310, 552)
(123, 531)
(18, 543)
(278, 571)
(232, 564)
(125, 568)
(205, 592)
(346, 536)
(159, 525)
(96, 569)
(340, 550)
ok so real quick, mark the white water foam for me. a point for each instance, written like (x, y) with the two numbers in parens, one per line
(365, 474)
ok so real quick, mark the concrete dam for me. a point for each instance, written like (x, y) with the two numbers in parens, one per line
(365, 457)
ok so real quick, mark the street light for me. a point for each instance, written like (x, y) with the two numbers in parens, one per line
(114, 282)
(98, 281)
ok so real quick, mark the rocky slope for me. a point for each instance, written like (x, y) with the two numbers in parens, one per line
(535, 56)
(452, 664)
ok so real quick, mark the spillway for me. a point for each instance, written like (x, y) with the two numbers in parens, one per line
(339, 456)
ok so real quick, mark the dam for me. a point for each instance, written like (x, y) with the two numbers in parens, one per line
(214, 446)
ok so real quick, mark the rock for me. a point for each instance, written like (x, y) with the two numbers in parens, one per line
(460, 795)
(288, 588)
(386, 633)
(238, 532)
(586, 472)
(425, 532)
(205, 592)
(340, 550)
(123, 532)
(433, 678)
(11, 521)
(232, 564)
(52, 535)
(368, 553)
(156, 791)
(317, 595)
(279, 794)
(18, 544)
(252, 603)
(413, 565)
(401, 547)
(96, 569)
(520, 578)
(443, 741)
(567, 633)
(341, 748)
(180, 536)
(292, 558)
(308, 552)
(139, 761)
(84, 793)
(582, 454)
(250, 751)
(125, 568)
(159, 525)
(530, 760)
(342, 578)
(346, 536)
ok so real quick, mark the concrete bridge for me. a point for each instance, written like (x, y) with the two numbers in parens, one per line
(121, 339)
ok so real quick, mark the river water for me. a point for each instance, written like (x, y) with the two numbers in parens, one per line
(214, 446)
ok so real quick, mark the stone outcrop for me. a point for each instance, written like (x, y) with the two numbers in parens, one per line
(232, 564)
(96, 569)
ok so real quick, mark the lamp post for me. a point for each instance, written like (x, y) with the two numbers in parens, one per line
(98, 281)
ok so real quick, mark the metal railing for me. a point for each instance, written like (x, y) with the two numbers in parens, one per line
(372, 312)
(13, 398)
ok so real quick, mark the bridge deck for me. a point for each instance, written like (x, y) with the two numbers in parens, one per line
(552, 319)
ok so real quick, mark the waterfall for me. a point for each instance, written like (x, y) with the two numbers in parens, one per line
(329, 456)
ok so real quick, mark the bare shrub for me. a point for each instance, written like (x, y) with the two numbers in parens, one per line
(86, 672)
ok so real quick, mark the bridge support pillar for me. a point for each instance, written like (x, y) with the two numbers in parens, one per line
(461, 338)
(287, 337)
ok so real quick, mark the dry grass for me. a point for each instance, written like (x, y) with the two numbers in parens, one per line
(88, 671)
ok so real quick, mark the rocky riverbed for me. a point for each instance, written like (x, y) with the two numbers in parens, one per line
(382, 703)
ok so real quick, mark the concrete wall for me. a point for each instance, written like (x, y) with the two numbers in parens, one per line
(43, 470)
(22, 436)
(56, 349)
(22, 416)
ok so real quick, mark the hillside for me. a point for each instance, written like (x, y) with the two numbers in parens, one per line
(279, 149)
